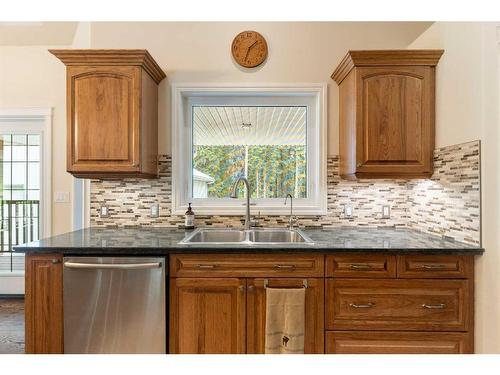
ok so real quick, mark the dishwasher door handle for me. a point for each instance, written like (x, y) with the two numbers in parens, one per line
(113, 266)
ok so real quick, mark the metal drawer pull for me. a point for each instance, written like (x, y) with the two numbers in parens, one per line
(284, 266)
(362, 305)
(433, 266)
(359, 266)
(206, 266)
(116, 266)
(436, 306)
(55, 261)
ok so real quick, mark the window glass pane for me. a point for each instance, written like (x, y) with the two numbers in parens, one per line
(34, 195)
(19, 153)
(18, 175)
(267, 144)
(33, 140)
(18, 195)
(6, 175)
(19, 139)
(33, 153)
(5, 148)
(33, 175)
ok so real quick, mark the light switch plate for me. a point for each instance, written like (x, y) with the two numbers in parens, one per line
(155, 210)
(386, 212)
(61, 197)
(348, 210)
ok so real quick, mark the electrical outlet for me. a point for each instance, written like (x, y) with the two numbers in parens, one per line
(386, 212)
(347, 210)
(155, 210)
(104, 211)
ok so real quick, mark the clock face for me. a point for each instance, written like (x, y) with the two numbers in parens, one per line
(249, 49)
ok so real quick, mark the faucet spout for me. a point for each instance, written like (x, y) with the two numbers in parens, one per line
(233, 195)
(291, 220)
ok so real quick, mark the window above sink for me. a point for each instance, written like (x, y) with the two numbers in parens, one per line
(273, 135)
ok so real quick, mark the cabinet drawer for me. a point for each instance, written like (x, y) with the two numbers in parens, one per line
(398, 343)
(435, 266)
(246, 265)
(361, 265)
(426, 305)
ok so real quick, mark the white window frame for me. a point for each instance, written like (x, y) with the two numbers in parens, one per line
(184, 96)
(35, 121)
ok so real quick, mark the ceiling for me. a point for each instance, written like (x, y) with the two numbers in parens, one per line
(37, 33)
(239, 125)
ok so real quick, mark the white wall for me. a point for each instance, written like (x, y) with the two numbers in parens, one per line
(467, 102)
(199, 52)
(31, 77)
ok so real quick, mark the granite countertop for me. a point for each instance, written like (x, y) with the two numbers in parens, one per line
(156, 241)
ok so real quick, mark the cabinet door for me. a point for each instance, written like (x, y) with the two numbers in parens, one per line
(395, 128)
(314, 312)
(103, 118)
(43, 304)
(207, 316)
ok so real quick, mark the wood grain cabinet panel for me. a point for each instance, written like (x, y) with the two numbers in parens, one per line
(246, 265)
(387, 113)
(345, 342)
(425, 305)
(361, 265)
(207, 316)
(112, 112)
(43, 304)
(435, 266)
(314, 313)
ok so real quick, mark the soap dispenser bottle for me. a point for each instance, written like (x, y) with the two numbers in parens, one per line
(189, 218)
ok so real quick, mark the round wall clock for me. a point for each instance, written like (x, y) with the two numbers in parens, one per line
(249, 49)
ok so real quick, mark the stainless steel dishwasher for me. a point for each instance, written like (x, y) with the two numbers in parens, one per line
(114, 305)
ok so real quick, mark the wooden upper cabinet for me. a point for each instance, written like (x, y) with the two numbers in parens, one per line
(387, 113)
(112, 112)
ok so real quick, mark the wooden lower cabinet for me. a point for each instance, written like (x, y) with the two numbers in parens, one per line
(44, 304)
(365, 342)
(314, 313)
(207, 316)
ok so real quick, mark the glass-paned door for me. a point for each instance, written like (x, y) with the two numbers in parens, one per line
(20, 176)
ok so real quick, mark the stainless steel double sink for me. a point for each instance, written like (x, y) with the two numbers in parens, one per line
(266, 236)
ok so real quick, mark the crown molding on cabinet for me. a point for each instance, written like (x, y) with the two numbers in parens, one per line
(129, 57)
(424, 57)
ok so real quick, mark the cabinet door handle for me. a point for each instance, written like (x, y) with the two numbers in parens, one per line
(55, 261)
(433, 266)
(359, 266)
(284, 266)
(368, 305)
(241, 288)
(206, 266)
(251, 288)
(435, 306)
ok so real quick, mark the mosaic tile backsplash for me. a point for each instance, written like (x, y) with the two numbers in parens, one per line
(448, 204)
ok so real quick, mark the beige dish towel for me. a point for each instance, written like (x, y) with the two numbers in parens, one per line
(285, 310)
